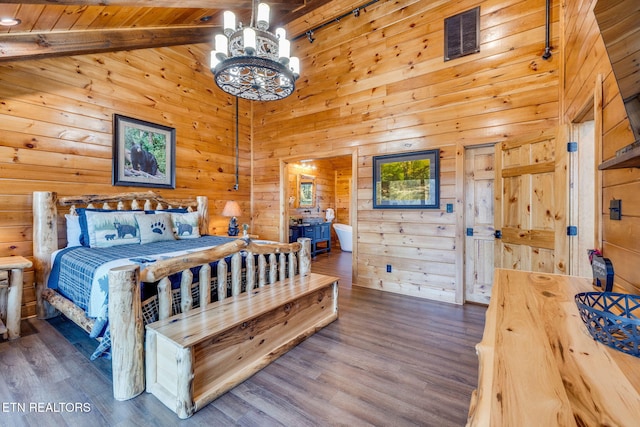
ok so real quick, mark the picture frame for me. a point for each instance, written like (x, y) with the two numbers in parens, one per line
(143, 153)
(407, 181)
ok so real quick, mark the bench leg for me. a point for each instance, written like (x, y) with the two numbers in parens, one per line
(14, 303)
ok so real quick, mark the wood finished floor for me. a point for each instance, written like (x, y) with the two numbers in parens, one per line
(389, 360)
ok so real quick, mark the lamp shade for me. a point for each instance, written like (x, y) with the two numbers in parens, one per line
(231, 208)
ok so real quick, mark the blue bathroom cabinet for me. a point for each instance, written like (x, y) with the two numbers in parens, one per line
(318, 233)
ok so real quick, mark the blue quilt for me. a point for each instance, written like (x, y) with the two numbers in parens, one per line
(81, 274)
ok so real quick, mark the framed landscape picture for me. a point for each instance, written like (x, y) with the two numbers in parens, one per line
(407, 181)
(143, 153)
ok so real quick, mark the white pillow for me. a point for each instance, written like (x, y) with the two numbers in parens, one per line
(185, 225)
(154, 227)
(112, 228)
(73, 230)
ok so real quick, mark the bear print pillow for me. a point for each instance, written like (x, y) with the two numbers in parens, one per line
(155, 227)
(111, 228)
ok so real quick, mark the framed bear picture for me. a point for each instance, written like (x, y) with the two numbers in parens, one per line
(143, 153)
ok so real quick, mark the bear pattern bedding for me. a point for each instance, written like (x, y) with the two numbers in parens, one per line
(81, 273)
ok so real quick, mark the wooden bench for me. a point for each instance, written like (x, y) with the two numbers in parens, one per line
(193, 358)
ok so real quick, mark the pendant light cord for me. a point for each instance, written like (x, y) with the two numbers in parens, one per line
(235, 187)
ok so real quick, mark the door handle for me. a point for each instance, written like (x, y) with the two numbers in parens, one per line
(497, 234)
(470, 232)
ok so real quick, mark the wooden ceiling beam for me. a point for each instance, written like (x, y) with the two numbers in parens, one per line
(197, 4)
(41, 45)
(184, 4)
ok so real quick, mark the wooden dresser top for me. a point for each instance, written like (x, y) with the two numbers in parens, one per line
(539, 366)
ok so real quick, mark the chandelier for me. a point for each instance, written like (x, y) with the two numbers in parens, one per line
(252, 62)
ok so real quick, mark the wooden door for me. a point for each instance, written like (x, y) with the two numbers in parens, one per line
(583, 204)
(525, 215)
(479, 241)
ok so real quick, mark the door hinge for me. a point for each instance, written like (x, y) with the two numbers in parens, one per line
(572, 230)
(572, 147)
(497, 234)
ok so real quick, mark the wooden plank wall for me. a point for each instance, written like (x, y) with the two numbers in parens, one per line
(586, 60)
(378, 82)
(56, 132)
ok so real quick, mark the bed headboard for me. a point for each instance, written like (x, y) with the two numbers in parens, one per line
(45, 223)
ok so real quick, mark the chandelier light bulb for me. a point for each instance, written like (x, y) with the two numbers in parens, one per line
(229, 19)
(214, 60)
(263, 16)
(281, 33)
(222, 44)
(294, 64)
(284, 49)
(249, 36)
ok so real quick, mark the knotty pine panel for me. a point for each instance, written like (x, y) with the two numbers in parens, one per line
(379, 82)
(586, 57)
(56, 125)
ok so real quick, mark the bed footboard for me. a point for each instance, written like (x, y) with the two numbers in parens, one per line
(125, 309)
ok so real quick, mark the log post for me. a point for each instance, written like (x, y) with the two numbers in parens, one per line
(165, 299)
(262, 270)
(283, 267)
(127, 332)
(305, 256)
(273, 269)
(203, 214)
(150, 356)
(184, 402)
(292, 265)
(250, 270)
(205, 285)
(222, 279)
(45, 242)
(236, 274)
(14, 303)
(186, 300)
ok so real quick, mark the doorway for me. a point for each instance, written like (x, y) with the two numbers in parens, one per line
(479, 177)
(334, 176)
(583, 203)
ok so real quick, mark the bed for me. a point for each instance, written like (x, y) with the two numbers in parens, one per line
(148, 288)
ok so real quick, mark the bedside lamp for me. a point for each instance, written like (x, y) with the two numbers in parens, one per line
(232, 209)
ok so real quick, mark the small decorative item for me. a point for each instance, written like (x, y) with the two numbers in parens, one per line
(245, 228)
(330, 215)
(602, 269)
(612, 319)
(407, 181)
(232, 209)
(143, 153)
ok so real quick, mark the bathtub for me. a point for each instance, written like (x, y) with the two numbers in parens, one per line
(345, 236)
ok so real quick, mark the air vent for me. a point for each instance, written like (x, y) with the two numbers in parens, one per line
(462, 34)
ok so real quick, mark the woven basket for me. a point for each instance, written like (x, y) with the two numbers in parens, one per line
(612, 318)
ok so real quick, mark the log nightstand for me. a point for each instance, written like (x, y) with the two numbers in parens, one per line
(11, 277)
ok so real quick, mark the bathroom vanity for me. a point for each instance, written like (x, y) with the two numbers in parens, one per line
(318, 233)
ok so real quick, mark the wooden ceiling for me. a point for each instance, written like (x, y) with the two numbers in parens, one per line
(69, 27)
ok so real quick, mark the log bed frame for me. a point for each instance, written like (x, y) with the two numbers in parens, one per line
(125, 308)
